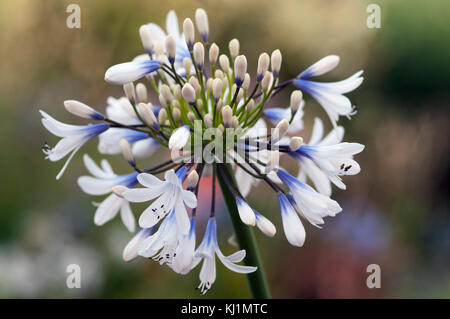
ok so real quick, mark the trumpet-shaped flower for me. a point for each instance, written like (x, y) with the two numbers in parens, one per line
(328, 159)
(330, 95)
(207, 252)
(170, 194)
(313, 205)
(100, 183)
(73, 138)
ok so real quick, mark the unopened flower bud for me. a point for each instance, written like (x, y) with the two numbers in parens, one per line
(162, 116)
(129, 92)
(179, 138)
(162, 101)
(246, 83)
(217, 89)
(209, 85)
(191, 116)
(187, 65)
(250, 105)
(175, 104)
(195, 84)
(266, 81)
(227, 114)
(146, 38)
(177, 91)
(171, 48)
(240, 96)
(295, 143)
(276, 62)
(199, 55)
(224, 63)
(176, 114)
(234, 122)
(280, 131)
(166, 93)
(296, 99)
(224, 82)
(199, 104)
(265, 225)
(219, 106)
(219, 74)
(146, 111)
(322, 66)
(126, 152)
(189, 33)
(213, 53)
(263, 66)
(234, 48)
(192, 179)
(188, 93)
(158, 49)
(201, 19)
(141, 92)
(240, 68)
(207, 119)
(82, 110)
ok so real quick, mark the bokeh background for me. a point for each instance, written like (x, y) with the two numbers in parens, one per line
(396, 211)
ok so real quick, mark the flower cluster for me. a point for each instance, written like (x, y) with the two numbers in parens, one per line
(212, 118)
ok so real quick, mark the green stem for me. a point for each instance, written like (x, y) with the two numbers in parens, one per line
(246, 240)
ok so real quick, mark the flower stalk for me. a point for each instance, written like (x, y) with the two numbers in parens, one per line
(246, 240)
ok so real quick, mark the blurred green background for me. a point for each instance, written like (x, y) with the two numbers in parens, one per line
(395, 211)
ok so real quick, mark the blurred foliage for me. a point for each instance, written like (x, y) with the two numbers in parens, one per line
(395, 211)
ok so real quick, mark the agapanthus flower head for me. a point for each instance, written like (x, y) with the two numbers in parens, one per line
(211, 119)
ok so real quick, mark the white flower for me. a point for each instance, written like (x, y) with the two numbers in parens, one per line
(265, 225)
(161, 245)
(184, 254)
(166, 245)
(73, 138)
(307, 167)
(101, 183)
(312, 205)
(120, 110)
(293, 227)
(127, 72)
(142, 144)
(245, 212)
(207, 250)
(82, 110)
(171, 196)
(329, 95)
(179, 138)
(130, 251)
(326, 159)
